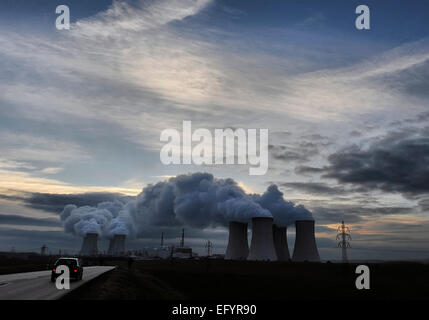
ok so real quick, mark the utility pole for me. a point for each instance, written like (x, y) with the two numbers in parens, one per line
(162, 239)
(343, 234)
(209, 246)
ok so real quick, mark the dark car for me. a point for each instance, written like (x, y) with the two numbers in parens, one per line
(74, 265)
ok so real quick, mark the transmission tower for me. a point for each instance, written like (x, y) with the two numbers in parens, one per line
(209, 246)
(343, 234)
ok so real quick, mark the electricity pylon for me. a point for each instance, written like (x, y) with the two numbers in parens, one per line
(343, 234)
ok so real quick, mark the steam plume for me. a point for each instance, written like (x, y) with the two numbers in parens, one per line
(196, 200)
(284, 212)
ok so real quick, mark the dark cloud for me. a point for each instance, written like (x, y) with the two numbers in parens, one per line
(355, 213)
(12, 198)
(413, 81)
(314, 136)
(315, 188)
(282, 133)
(404, 228)
(308, 170)
(325, 215)
(56, 202)
(300, 152)
(32, 240)
(420, 118)
(355, 133)
(366, 211)
(398, 162)
(424, 204)
(28, 221)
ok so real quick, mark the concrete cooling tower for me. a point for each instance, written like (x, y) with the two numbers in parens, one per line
(262, 244)
(305, 242)
(89, 245)
(280, 243)
(117, 245)
(238, 247)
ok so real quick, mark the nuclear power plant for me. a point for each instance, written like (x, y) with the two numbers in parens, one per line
(269, 241)
(89, 245)
(262, 244)
(238, 246)
(117, 245)
(267, 214)
(280, 243)
(305, 242)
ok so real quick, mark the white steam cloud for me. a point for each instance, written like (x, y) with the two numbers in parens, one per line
(196, 200)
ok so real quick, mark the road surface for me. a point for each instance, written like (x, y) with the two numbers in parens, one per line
(38, 285)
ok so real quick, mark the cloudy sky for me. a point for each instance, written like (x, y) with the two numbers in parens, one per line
(81, 111)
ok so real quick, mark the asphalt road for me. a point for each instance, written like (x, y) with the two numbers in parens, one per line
(38, 285)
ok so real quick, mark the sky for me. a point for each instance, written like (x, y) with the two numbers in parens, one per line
(81, 112)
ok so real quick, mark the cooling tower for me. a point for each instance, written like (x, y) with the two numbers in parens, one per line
(117, 245)
(280, 243)
(305, 242)
(262, 244)
(89, 245)
(238, 247)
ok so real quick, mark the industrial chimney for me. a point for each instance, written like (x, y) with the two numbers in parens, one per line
(262, 244)
(305, 242)
(89, 245)
(117, 245)
(280, 243)
(238, 247)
